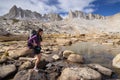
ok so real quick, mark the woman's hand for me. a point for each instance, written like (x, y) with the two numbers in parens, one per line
(34, 43)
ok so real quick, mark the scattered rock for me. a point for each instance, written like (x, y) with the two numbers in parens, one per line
(30, 75)
(75, 58)
(18, 63)
(49, 65)
(53, 72)
(66, 53)
(116, 61)
(38, 76)
(53, 76)
(2, 51)
(107, 44)
(22, 75)
(46, 49)
(118, 42)
(101, 69)
(7, 70)
(42, 64)
(3, 58)
(73, 40)
(19, 52)
(47, 52)
(52, 69)
(4, 32)
(55, 48)
(63, 41)
(79, 74)
(63, 64)
(25, 65)
(26, 58)
(55, 57)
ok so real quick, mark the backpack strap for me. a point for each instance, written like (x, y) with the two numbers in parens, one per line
(30, 40)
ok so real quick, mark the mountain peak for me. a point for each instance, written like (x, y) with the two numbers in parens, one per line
(80, 14)
(14, 7)
(19, 13)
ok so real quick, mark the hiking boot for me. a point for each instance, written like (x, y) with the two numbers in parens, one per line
(35, 69)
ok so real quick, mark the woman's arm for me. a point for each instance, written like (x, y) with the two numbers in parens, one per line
(32, 40)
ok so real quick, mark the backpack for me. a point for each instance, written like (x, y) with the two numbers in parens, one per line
(32, 33)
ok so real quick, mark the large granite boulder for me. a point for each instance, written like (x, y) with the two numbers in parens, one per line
(66, 53)
(101, 69)
(75, 58)
(116, 61)
(6, 70)
(25, 65)
(19, 52)
(79, 74)
(30, 75)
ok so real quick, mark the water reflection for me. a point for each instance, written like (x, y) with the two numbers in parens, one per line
(94, 53)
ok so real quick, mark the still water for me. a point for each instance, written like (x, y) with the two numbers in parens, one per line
(95, 53)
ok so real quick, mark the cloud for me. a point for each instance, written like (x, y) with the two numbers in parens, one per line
(48, 6)
(89, 10)
(80, 5)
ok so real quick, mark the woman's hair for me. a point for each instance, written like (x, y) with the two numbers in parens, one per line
(39, 37)
(39, 30)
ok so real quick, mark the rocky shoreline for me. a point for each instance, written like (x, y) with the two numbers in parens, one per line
(56, 63)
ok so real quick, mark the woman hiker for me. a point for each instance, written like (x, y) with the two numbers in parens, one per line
(34, 43)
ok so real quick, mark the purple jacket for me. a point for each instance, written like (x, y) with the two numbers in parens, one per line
(36, 39)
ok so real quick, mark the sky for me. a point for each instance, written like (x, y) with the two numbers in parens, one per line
(101, 7)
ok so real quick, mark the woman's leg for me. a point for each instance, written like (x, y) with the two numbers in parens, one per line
(38, 57)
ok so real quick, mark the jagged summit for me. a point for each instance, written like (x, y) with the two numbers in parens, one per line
(19, 13)
(80, 14)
